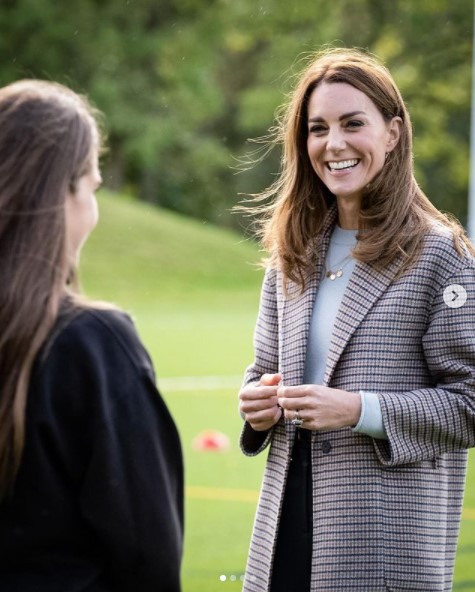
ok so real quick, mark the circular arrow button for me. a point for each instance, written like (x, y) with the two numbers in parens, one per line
(455, 296)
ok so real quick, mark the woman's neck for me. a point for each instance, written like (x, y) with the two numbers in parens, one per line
(348, 213)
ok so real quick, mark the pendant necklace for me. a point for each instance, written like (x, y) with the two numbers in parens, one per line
(333, 275)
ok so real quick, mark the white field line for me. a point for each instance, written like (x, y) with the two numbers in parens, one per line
(198, 383)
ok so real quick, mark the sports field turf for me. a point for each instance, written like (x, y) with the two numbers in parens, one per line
(193, 291)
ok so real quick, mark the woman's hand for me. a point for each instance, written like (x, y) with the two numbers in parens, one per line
(320, 407)
(258, 402)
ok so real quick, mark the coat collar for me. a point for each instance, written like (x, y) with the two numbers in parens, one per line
(366, 286)
(297, 309)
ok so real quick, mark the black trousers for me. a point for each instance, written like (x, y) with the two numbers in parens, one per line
(292, 563)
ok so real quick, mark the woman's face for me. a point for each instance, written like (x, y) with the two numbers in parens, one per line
(348, 138)
(81, 208)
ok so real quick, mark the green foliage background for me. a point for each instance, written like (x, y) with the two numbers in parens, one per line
(184, 83)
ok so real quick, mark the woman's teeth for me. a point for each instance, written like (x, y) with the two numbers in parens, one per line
(344, 164)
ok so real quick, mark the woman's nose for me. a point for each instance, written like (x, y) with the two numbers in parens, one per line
(335, 140)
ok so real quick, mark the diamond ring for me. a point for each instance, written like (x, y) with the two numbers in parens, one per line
(297, 421)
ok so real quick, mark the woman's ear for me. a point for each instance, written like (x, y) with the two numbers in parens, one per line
(394, 133)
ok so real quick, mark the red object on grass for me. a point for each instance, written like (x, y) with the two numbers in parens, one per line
(211, 440)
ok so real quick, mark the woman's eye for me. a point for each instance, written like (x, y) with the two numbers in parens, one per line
(317, 129)
(354, 123)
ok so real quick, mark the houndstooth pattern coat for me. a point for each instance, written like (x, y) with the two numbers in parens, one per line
(386, 514)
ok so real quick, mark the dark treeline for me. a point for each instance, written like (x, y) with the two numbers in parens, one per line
(185, 83)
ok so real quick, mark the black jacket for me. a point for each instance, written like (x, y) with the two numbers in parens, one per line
(98, 503)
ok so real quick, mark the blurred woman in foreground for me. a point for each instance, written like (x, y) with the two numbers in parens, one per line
(91, 477)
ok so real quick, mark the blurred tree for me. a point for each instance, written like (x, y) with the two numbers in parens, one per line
(184, 83)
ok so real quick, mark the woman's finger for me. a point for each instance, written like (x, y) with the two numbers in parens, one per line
(253, 405)
(270, 379)
(264, 420)
(292, 404)
(257, 392)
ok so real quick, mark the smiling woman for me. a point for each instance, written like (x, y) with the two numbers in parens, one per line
(363, 380)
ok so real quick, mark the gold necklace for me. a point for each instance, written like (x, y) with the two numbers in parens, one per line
(333, 275)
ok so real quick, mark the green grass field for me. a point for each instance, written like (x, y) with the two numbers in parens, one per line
(193, 291)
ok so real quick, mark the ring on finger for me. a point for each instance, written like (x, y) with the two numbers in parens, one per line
(297, 421)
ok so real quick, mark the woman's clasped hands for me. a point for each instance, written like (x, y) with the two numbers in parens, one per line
(319, 407)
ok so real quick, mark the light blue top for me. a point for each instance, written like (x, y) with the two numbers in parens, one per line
(325, 309)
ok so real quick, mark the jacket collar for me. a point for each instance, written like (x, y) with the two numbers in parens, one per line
(365, 288)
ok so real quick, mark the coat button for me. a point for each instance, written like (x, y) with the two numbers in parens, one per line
(326, 447)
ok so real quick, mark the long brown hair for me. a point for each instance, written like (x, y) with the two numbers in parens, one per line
(395, 213)
(47, 135)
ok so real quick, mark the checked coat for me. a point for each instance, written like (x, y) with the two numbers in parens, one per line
(386, 513)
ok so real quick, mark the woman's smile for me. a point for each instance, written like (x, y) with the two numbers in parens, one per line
(342, 165)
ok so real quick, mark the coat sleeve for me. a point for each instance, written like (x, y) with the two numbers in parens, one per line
(266, 358)
(425, 423)
(130, 486)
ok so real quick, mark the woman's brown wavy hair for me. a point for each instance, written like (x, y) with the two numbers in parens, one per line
(47, 136)
(395, 213)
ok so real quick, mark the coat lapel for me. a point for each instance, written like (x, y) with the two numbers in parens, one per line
(364, 289)
(297, 307)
